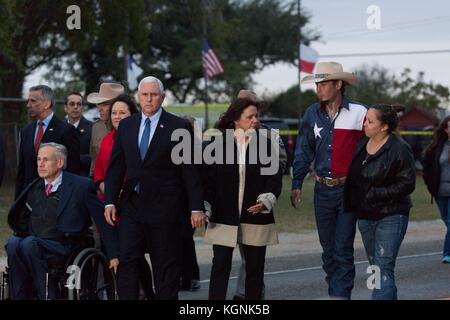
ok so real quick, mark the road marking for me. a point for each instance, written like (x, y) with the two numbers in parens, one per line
(320, 267)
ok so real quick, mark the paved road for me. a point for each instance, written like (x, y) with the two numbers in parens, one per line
(420, 275)
(293, 268)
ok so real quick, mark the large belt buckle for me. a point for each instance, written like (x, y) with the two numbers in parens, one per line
(330, 182)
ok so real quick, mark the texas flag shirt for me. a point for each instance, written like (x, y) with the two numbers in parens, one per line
(330, 143)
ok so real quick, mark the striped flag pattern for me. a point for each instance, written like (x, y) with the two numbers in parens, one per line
(210, 61)
(308, 58)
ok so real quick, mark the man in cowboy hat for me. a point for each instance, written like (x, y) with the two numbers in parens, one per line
(328, 135)
(100, 129)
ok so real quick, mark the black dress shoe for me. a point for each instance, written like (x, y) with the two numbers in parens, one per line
(193, 285)
(184, 286)
(238, 297)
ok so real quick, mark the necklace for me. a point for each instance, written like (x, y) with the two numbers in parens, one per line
(366, 159)
(332, 113)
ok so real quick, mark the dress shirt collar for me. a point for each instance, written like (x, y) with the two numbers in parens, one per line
(154, 118)
(56, 183)
(47, 120)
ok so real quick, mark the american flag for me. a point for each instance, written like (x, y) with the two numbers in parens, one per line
(211, 63)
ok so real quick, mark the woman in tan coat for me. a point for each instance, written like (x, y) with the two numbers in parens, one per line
(240, 195)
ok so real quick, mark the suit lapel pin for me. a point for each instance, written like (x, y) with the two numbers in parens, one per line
(81, 130)
(50, 129)
(161, 126)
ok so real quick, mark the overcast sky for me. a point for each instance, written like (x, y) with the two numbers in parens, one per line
(405, 26)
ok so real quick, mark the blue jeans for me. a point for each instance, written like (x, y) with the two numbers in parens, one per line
(382, 240)
(444, 207)
(336, 230)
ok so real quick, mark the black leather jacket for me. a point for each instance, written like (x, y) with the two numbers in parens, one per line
(388, 178)
(432, 170)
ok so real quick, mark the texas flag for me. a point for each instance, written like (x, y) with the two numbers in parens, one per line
(133, 72)
(308, 58)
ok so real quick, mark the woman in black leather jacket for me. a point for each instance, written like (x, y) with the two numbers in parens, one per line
(380, 179)
(436, 173)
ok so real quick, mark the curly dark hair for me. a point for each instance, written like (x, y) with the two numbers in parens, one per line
(234, 112)
(387, 114)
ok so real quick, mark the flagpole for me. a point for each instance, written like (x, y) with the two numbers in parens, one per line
(299, 54)
(126, 66)
(205, 33)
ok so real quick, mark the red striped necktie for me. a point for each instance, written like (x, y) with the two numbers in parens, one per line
(48, 189)
(39, 136)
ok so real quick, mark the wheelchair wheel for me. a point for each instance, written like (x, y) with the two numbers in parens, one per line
(95, 281)
(4, 285)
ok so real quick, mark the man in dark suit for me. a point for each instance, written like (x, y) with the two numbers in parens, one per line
(154, 197)
(47, 218)
(46, 128)
(74, 110)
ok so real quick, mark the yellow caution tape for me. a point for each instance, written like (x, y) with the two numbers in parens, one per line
(403, 133)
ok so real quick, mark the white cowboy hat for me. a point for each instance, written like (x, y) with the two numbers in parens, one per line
(108, 91)
(330, 71)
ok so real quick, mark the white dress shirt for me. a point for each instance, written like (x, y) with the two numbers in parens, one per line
(46, 122)
(56, 183)
(154, 119)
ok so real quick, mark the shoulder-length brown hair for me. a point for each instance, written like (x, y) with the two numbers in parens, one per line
(234, 112)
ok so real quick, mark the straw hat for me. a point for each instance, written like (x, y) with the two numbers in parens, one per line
(330, 71)
(108, 91)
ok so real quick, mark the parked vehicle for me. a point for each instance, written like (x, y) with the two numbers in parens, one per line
(287, 138)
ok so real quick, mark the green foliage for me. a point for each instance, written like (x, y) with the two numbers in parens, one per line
(286, 104)
(378, 85)
(109, 30)
(246, 35)
(6, 30)
(164, 36)
(31, 35)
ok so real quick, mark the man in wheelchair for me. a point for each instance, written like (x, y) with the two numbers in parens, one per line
(48, 219)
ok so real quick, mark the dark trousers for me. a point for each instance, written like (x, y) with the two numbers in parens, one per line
(336, 230)
(162, 242)
(221, 268)
(146, 279)
(145, 273)
(189, 265)
(28, 264)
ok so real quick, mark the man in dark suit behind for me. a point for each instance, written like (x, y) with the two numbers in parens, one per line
(74, 110)
(46, 128)
(47, 218)
(156, 194)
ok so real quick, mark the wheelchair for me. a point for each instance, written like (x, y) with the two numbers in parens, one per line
(85, 275)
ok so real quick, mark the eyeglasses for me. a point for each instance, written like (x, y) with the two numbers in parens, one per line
(73, 104)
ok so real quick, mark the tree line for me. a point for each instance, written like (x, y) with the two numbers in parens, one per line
(164, 37)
